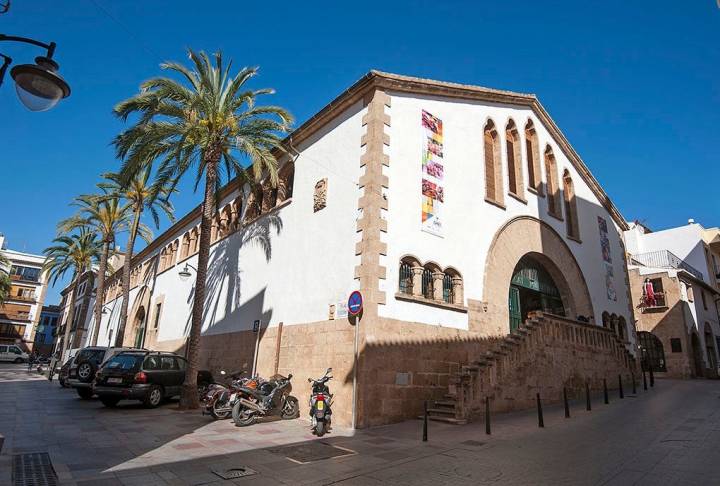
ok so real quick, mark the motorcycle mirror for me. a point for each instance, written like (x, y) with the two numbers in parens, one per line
(309, 380)
(289, 376)
(329, 370)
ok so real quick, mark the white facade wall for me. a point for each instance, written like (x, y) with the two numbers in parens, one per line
(470, 223)
(311, 260)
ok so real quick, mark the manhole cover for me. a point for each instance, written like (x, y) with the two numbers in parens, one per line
(235, 472)
(33, 469)
(312, 451)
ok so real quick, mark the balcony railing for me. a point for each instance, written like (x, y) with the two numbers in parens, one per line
(665, 259)
(657, 302)
(10, 331)
(15, 316)
(25, 279)
(24, 298)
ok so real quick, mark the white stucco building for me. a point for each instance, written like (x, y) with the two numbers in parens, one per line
(440, 202)
(20, 314)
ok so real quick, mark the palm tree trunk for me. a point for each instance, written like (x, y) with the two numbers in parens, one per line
(189, 397)
(70, 317)
(100, 292)
(126, 278)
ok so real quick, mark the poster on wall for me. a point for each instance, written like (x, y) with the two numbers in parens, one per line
(609, 282)
(607, 259)
(433, 195)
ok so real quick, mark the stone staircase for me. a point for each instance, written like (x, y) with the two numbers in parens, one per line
(543, 355)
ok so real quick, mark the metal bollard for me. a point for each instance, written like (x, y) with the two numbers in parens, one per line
(541, 423)
(487, 415)
(644, 381)
(622, 394)
(605, 393)
(567, 406)
(632, 376)
(652, 377)
(425, 422)
(588, 407)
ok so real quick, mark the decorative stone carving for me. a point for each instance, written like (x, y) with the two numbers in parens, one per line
(320, 196)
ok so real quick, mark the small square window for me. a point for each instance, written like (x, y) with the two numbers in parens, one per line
(675, 345)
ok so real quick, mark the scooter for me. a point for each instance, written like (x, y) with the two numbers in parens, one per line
(218, 399)
(320, 402)
(270, 398)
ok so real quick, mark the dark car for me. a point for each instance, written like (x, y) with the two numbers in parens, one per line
(63, 373)
(81, 374)
(148, 376)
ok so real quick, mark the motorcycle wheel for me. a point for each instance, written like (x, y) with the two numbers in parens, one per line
(241, 416)
(291, 409)
(320, 428)
(219, 414)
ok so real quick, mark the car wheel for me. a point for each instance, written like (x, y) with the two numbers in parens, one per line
(85, 372)
(85, 393)
(109, 402)
(18, 360)
(154, 397)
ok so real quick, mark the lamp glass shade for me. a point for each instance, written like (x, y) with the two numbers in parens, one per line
(38, 86)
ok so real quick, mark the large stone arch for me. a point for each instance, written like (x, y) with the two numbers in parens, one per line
(521, 236)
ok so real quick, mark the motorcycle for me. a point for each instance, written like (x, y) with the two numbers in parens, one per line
(218, 399)
(320, 403)
(270, 398)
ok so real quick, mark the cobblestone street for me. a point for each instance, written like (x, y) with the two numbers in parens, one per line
(668, 435)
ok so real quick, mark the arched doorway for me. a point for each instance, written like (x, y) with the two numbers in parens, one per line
(526, 236)
(139, 326)
(532, 288)
(653, 352)
(710, 349)
(697, 354)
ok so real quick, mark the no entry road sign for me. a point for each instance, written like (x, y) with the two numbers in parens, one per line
(355, 303)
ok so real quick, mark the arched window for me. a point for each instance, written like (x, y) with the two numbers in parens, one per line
(405, 278)
(254, 203)
(270, 196)
(428, 289)
(225, 218)
(453, 287)
(652, 352)
(235, 212)
(571, 216)
(532, 149)
(185, 249)
(606, 319)
(493, 167)
(622, 328)
(613, 323)
(514, 160)
(287, 179)
(552, 184)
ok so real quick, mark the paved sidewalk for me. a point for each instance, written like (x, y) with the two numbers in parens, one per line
(670, 435)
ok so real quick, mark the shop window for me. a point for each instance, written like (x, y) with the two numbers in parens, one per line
(675, 345)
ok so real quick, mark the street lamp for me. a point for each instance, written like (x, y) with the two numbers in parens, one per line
(185, 274)
(38, 85)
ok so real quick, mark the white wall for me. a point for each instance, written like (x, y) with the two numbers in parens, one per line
(470, 223)
(311, 261)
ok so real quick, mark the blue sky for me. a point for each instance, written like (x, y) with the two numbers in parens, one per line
(635, 86)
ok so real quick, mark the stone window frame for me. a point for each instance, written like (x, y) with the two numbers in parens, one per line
(532, 157)
(492, 157)
(572, 226)
(551, 183)
(676, 345)
(513, 155)
(414, 291)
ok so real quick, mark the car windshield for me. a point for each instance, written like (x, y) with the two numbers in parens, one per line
(123, 362)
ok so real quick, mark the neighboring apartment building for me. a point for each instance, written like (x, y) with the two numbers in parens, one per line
(46, 329)
(81, 317)
(461, 213)
(20, 314)
(674, 279)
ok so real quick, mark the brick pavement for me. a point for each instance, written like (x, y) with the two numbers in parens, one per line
(670, 435)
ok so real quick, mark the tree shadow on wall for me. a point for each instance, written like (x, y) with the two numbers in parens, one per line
(225, 275)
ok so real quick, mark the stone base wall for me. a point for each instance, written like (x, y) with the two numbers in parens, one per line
(546, 354)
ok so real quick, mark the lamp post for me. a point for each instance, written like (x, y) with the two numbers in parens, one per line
(38, 85)
(185, 274)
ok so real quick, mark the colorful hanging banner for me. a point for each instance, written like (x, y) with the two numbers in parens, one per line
(607, 259)
(433, 174)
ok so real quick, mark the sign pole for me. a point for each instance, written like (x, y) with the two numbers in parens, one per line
(355, 306)
(256, 329)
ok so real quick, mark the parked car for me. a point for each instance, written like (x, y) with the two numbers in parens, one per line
(148, 376)
(10, 352)
(81, 374)
(63, 373)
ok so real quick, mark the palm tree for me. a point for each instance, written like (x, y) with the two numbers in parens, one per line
(141, 196)
(204, 122)
(107, 215)
(76, 253)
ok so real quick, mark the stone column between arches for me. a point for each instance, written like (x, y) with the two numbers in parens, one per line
(522, 236)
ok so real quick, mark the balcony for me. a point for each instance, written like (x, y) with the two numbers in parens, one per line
(15, 316)
(20, 278)
(656, 304)
(665, 259)
(10, 331)
(23, 298)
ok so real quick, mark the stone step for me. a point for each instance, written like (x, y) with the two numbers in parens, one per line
(441, 411)
(447, 420)
(450, 396)
(445, 403)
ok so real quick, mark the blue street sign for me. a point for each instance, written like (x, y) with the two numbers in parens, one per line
(355, 303)
(256, 326)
